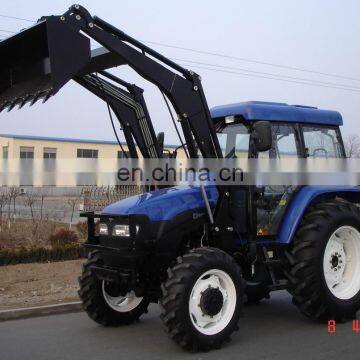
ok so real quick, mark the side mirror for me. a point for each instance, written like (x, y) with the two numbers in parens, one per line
(160, 139)
(261, 135)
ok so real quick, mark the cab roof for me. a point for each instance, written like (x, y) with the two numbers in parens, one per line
(270, 111)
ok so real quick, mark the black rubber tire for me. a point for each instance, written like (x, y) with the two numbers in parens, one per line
(176, 292)
(93, 300)
(308, 286)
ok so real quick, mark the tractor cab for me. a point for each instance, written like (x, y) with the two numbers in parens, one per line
(296, 132)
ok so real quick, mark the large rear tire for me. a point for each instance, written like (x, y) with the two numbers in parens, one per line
(202, 299)
(104, 302)
(325, 262)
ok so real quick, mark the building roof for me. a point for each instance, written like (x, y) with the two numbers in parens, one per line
(75, 140)
(270, 111)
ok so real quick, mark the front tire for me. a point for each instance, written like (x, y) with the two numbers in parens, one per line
(104, 302)
(202, 299)
(325, 258)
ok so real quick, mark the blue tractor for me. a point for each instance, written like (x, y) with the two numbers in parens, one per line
(200, 252)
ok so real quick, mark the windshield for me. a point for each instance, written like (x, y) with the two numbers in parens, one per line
(234, 141)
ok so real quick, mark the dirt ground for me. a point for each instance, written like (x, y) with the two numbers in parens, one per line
(27, 285)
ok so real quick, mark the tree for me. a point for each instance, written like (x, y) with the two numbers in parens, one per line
(72, 202)
(352, 146)
(13, 193)
(4, 198)
(30, 201)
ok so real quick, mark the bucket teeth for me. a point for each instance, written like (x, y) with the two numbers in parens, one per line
(24, 101)
(4, 105)
(35, 99)
(47, 96)
(21, 101)
(13, 104)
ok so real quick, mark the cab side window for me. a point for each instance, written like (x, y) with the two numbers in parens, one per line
(321, 142)
(285, 143)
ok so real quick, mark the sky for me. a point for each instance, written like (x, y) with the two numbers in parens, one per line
(321, 36)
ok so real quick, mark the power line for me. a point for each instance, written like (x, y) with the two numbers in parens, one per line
(269, 78)
(9, 32)
(253, 61)
(266, 73)
(293, 68)
(15, 18)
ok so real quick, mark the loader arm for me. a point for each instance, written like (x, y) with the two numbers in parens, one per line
(37, 62)
(129, 108)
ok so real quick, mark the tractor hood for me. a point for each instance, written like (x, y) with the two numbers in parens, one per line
(164, 204)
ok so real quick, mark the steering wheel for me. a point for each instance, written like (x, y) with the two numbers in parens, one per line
(320, 149)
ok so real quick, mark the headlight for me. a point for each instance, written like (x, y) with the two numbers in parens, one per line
(123, 230)
(103, 229)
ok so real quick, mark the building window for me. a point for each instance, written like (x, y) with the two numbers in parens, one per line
(26, 152)
(5, 152)
(87, 153)
(123, 154)
(49, 153)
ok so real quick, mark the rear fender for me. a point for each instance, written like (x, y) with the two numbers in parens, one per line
(303, 199)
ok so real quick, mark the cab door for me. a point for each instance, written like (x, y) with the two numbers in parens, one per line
(273, 200)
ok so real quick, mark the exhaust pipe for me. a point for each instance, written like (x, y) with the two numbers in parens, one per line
(37, 62)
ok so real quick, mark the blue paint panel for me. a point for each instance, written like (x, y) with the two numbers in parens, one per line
(258, 110)
(164, 204)
(299, 205)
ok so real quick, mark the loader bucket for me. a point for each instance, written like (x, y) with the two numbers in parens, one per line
(37, 62)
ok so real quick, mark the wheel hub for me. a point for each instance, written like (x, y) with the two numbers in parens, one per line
(211, 301)
(342, 262)
(336, 261)
(118, 301)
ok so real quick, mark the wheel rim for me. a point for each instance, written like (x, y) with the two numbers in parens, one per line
(212, 302)
(121, 303)
(342, 263)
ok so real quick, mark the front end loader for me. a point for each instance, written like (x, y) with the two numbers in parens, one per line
(201, 252)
